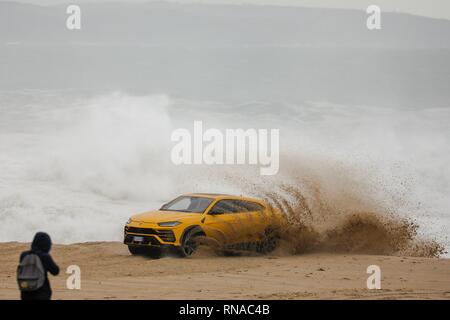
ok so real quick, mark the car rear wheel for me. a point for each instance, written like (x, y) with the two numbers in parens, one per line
(269, 243)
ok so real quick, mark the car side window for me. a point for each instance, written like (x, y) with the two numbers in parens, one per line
(224, 206)
(239, 206)
(252, 206)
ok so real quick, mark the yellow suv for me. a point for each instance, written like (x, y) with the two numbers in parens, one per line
(231, 221)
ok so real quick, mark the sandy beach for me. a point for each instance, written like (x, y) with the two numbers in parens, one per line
(108, 271)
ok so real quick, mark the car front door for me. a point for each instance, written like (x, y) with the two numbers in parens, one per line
(221, 222)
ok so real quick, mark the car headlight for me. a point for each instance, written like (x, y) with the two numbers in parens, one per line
(129, 221)
(169, 224)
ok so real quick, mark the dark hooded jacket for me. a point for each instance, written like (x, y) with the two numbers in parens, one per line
(41, 246)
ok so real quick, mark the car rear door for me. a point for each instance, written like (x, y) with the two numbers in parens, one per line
(250, 220)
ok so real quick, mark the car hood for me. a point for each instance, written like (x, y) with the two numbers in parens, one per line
(163, 216)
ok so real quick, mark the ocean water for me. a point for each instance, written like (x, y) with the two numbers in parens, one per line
(78, 164)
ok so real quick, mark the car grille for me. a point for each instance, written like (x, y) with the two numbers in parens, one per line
(165, 235)
(147, 240)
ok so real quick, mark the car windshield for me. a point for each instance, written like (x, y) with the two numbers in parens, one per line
(188, 204)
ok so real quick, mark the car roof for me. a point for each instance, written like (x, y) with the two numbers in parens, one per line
(222, 196)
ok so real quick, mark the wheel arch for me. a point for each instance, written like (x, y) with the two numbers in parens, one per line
(192, 229)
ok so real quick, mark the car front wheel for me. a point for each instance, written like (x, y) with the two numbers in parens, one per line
(154, 253)
(189, 245)
(136, 251)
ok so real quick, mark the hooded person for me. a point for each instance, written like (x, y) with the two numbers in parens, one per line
(41, 246)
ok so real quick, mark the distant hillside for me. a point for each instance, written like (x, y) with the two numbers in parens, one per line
(226, 52)
(218, 25)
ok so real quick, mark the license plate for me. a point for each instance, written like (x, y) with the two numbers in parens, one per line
(138, 239)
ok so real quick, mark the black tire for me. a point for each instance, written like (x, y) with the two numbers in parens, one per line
(189, 244)
(269, 243)
(154, 253)
(136, 251)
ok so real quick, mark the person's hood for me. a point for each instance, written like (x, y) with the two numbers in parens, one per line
(41, 242)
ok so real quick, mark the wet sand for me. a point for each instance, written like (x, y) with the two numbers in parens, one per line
(108, 271)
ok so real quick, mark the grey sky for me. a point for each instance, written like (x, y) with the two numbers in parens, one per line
(429, 8)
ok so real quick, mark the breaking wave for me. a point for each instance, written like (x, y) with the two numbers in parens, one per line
(350, 180)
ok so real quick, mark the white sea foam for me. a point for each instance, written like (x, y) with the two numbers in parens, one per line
(78, 167)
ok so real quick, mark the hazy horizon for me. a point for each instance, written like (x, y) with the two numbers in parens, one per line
(437, 9)
(195, 51)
